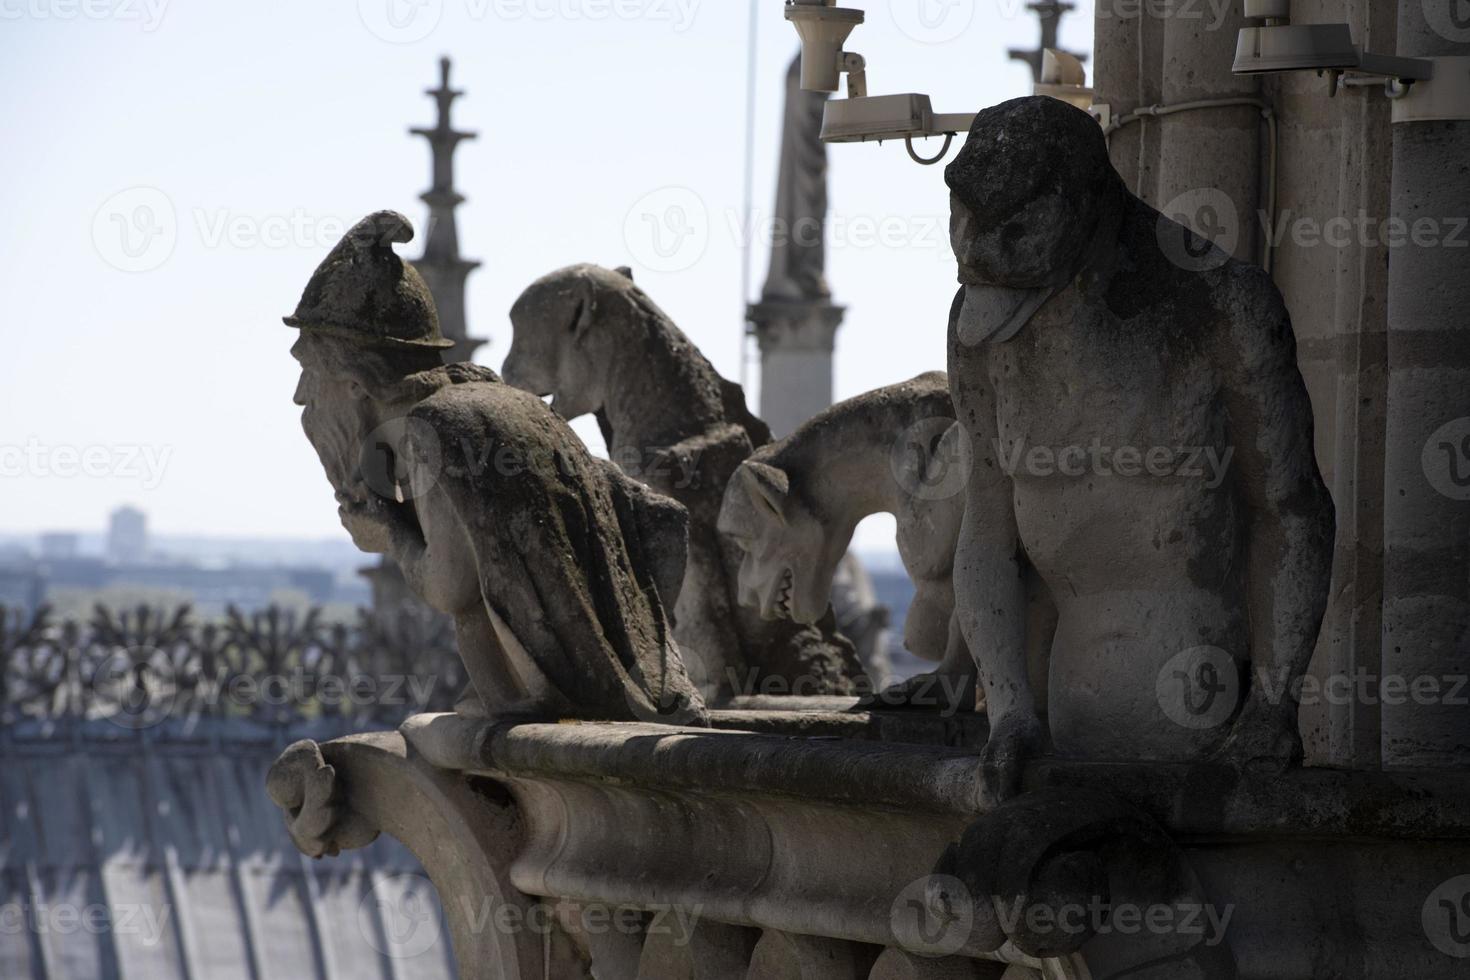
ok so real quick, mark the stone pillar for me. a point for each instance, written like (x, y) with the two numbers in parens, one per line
(1127, 46)
(1209, 152)
(796, 341)
(1426, 609)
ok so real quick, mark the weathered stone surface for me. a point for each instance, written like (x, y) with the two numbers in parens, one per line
(898, 964)
(783, 956)
(1186, 595)
(597, 344)
(762, 831)
(1050, 871)
(465, 835)
(307, 790)
(707, 951)
(554, 565)
(793, 505)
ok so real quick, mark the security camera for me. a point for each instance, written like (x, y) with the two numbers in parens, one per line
(1279, 46)
(824, 28)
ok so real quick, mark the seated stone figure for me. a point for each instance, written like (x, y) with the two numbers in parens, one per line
(794, 504)
(596, 343)
(554, 566)
(1140, 424)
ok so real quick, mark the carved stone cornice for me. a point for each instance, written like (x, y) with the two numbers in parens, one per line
(466, 834)
(874, 858)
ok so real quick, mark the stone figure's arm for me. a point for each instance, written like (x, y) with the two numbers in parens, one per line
(429, 541)
(661, 527)
(990, 596)
(1291, 518)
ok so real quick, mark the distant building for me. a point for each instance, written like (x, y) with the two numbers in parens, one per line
(22, 585)
(59, 545)
(127, 536)
(211, 589)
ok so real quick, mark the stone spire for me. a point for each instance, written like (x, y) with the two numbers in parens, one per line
(796, 322)
(1050, 14)
(441, 264)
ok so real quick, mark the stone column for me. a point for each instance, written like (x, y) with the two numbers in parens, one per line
(795, 320)
(796, 341)
(1127, 44)
(1209, 157)
(1426, 609)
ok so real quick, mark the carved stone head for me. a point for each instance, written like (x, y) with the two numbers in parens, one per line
(1027, 192)
(347, 393)
(790, 555)
(557, 348)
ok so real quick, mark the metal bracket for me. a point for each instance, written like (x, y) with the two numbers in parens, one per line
(1444, 95)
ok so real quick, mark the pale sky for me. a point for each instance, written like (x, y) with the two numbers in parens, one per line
(174, 170)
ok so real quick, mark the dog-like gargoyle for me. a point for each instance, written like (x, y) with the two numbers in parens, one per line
(556, 568)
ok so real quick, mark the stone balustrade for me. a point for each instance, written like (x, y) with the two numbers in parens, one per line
(655, 852)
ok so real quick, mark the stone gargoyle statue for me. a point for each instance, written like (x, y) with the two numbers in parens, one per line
(554, 565)
(794, 504)
(594, 341)
(1143, 440)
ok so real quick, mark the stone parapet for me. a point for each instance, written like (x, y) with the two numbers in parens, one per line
(742, 854)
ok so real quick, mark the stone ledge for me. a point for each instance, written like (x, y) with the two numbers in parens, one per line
(1191, 801)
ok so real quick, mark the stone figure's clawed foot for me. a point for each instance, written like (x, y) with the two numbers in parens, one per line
(1013, 740)
(1264, 738)
(935, 691)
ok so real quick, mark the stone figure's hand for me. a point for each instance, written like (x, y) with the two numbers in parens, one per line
(366, 520)
(385, 522)
(1013, 740)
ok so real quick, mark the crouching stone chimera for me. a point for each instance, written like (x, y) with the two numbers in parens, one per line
(556, 568)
